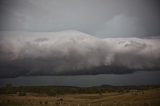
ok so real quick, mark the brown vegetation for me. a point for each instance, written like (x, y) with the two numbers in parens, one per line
(150, 97)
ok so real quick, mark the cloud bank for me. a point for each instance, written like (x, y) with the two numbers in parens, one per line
(74, 53)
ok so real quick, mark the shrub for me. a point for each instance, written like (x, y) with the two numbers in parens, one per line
(22, 94)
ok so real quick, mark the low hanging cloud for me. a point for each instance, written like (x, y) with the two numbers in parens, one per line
(74, 53)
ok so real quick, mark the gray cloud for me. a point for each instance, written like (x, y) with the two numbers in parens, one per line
(74, 53)
(122, 25)
(96, 17)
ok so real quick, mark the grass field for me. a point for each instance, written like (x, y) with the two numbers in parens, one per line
(149, 97)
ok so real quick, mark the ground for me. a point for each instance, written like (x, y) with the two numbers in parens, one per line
(130, 98)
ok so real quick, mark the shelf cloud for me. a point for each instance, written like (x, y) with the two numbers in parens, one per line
(74, 53)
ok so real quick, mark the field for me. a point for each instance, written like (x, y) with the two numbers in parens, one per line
(132, 97)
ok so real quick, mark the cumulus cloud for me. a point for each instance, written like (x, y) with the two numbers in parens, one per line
(74, 53)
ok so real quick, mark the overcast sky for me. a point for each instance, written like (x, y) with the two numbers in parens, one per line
(102, 18)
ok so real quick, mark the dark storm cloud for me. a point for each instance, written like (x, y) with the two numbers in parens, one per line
(74, 53)
(97, 17)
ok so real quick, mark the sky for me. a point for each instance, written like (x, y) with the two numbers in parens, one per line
(102, 18)
(140, 78)
(79, 37)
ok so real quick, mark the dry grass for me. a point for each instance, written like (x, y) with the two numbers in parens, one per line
(132, 98)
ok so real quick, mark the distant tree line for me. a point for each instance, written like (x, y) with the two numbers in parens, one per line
(60, 90)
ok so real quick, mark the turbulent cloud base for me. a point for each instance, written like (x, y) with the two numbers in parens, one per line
(74, 53)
